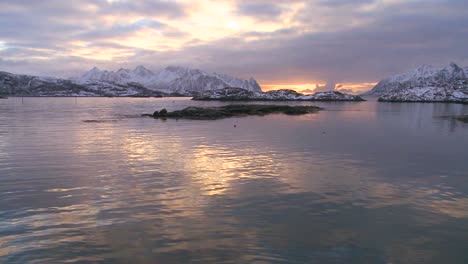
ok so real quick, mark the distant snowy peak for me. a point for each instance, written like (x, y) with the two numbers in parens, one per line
(140, 73)
(429, 72)
(423, 76)
(93, 74)
(170, 79)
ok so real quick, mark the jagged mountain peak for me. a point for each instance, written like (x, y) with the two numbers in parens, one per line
(140, 70)
(455, 72)
(94, 73)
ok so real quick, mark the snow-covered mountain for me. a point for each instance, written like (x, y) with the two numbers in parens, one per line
(425, 83)
(124, 82)
(170, 80)
(28, 85)
(239, 94)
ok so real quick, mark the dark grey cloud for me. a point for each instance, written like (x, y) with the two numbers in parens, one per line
(346, 90)
(266, 11)
(335, 3)
(284, 32)
(144, 7)
(123, 30)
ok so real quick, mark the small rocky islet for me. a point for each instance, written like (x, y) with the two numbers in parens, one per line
(212, 113)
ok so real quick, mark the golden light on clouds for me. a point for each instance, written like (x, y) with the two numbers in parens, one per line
(211, 20)
(309, 87)
(296, 87)
(97, 53)
(205, 21)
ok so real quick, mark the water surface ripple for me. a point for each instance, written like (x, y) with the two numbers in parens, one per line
(87, 180)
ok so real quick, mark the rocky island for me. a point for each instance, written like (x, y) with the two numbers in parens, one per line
(210, 113)
(240, 94)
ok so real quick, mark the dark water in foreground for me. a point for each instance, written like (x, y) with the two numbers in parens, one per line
(359, 183)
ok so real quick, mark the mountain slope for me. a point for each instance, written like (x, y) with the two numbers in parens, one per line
(425, 83)
(27, 85)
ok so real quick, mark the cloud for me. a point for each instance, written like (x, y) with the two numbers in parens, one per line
(329, 86)
(157, 8)
(123, 30)
(346, 90)
(307, 91)
(335, 3)
(260, 10)
(291, 42)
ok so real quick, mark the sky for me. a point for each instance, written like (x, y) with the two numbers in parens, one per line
(307, 45)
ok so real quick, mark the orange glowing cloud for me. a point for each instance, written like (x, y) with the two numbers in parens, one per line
(306, 88)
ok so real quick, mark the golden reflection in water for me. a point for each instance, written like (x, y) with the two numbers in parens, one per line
(457, 207)
(6, 245)
(216, 167)
(212, 169)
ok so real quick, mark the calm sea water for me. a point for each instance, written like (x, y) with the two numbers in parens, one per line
(357, 183)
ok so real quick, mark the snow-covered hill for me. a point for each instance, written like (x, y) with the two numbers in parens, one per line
(425, 83)
(170, 80)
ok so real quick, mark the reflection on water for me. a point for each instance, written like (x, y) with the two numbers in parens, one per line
(358, 183)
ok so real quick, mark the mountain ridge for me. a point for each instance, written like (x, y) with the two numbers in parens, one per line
(140, 81)
(170, 79)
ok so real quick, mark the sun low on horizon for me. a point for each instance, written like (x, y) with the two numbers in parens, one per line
(299, 44)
